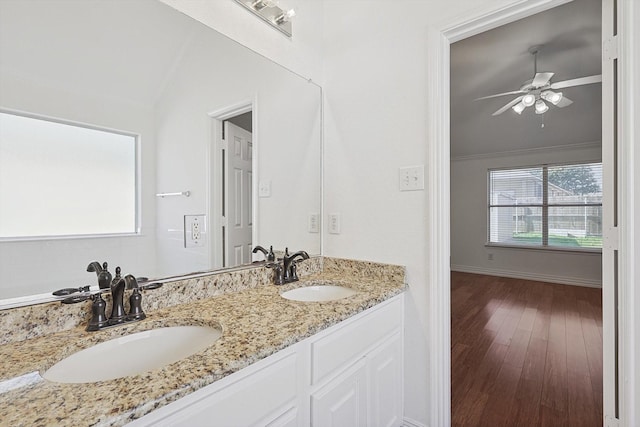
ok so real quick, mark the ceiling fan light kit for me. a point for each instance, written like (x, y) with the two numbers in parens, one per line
(519, 107)
(528, 100)
(541, 107)
(551, 96)
(536, 91)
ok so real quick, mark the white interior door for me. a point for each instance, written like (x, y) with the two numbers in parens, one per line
(238, 195)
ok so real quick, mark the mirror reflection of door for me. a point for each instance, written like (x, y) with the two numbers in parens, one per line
(237, 195)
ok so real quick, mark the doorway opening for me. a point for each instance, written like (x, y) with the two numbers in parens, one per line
(526, 347)
(232, 170)
(439, 198)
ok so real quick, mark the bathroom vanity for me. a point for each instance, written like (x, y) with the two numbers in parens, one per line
(349, 374)
(278, 362)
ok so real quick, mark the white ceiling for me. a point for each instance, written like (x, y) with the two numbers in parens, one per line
(498, 61)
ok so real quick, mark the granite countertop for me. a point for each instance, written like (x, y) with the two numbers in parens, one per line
(255, 323)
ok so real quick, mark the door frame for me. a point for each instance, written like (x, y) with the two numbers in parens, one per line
(214, 174)
(438, 203)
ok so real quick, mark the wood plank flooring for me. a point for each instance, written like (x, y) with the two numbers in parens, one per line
(524, 353)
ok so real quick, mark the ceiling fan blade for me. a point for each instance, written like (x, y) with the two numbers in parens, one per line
(506, 107)
(513, 92)
(564, 102)
(577, 82)
(541, 79)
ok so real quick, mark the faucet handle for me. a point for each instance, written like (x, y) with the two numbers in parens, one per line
(135, 306)
(278, 272)
(104, 277)
(98, 316)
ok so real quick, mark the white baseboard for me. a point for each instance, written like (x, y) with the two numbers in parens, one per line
(563, 280)
(408, 422)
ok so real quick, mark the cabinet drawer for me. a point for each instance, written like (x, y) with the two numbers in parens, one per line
(353, 339)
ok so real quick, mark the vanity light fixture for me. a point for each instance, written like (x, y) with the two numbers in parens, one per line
(270, 12)
(285, 16)
(261, 4)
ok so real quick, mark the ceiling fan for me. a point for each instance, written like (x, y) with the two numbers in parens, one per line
(534, 92)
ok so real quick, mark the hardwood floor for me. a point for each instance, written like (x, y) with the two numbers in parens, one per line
(525, 353)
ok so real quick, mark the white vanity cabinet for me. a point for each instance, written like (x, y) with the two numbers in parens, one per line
(347, 375)
(368, 393)
(356, 370)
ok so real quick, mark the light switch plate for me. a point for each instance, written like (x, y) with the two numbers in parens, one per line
(194, 231)
(411, 178)
(334, 223)
(314, 223)
(264, 189)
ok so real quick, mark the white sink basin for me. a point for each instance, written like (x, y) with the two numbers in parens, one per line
(318, 293)
(132, 354)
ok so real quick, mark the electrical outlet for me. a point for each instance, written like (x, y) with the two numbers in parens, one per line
(490, 257)
(194, 231)
(314, 223)
(334, 223)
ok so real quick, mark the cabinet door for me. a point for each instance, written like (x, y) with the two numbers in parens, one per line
(384, 366)
(343, 401)
(263, 393)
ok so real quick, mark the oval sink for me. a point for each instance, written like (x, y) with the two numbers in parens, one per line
(132, 354)
(318, 293)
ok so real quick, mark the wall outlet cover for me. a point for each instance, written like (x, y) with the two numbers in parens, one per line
(195, 228)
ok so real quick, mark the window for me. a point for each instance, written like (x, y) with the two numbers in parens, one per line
(61, 179)
(557, 206)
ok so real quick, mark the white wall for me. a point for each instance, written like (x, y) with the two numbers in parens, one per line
(375, 80)
(469, 223)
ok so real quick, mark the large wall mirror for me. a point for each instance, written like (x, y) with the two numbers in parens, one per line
(226, 152)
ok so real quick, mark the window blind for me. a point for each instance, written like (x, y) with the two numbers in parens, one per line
(547, 206)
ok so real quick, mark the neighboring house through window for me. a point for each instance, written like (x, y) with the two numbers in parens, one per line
(552, 206)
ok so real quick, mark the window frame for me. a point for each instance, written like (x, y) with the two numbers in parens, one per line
(544, 206)
(137, 232)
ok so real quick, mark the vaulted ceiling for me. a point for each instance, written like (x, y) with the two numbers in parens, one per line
(499, 61)
(111, 49)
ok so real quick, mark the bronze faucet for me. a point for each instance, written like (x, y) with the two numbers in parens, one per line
(117, 287)
(289, 265)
